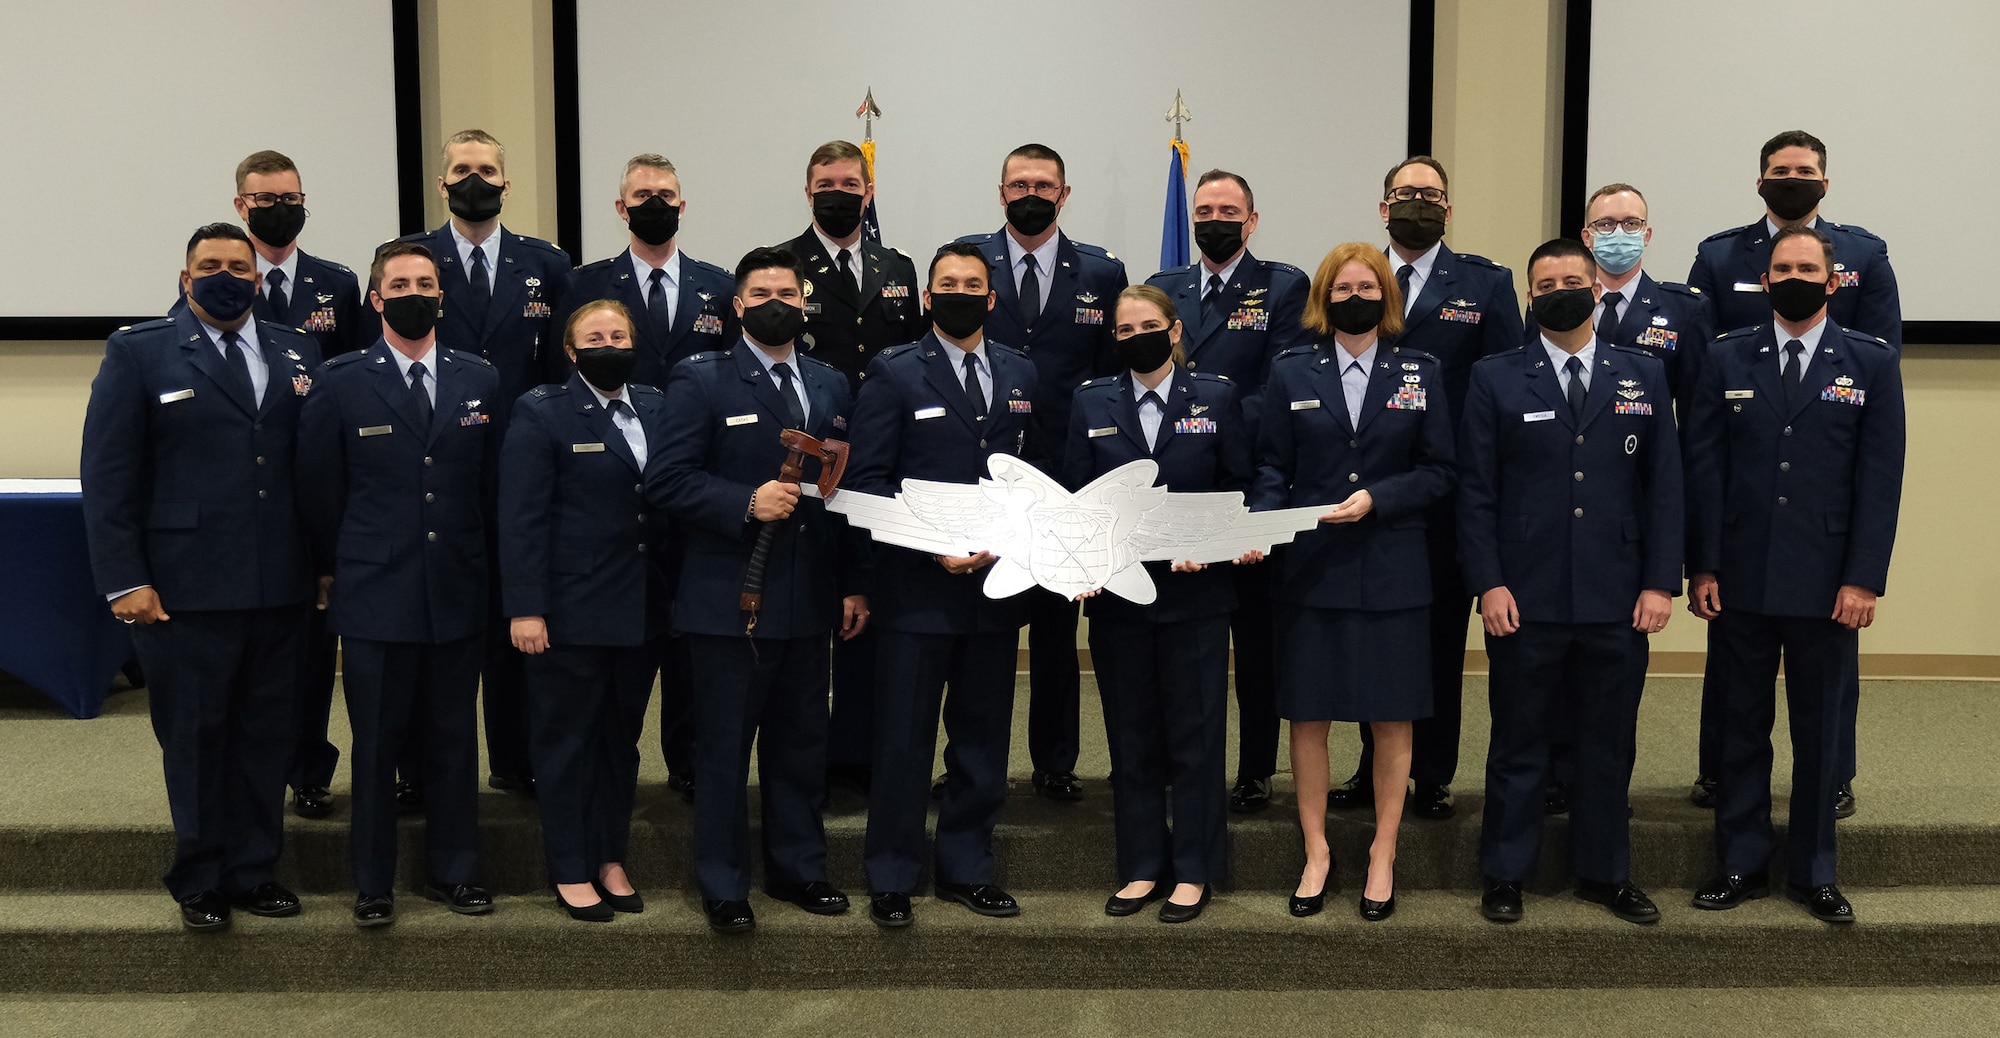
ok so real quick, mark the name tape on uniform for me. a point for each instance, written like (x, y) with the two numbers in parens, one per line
(178, 394)
(740, 419)
(1539, 416)
(375, 430)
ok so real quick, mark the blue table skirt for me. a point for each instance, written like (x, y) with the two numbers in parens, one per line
(56, 633)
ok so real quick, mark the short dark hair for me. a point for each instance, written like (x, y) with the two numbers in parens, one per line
(1557, 248)
(839, 151)
(395, 250)
(1799, 230)
(263, 162)
(1213, 175)
(774, 257)
(957, 248)
(1039, 153)
(1389, 178)
(1791, 139)
(210, 231)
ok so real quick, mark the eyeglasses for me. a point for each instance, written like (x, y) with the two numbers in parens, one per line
(1044, 188)
(1411, 194)
(265, 199)
(1634, 224)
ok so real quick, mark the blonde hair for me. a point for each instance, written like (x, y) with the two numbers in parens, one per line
(595, 306)
(475, 137)
(1160, 301)
(649, 160)
(1370, 256)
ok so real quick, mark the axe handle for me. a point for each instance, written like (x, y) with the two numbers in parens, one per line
(752, 598)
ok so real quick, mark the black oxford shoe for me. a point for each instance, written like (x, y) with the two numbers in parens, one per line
(312, 802)
(205, 912)
(1555, 799)
(1843, 800)
(891, 911)
(1703, 793)
(267, 899)
(983, 898)
(818, 897)
(1120, 907)
(519, 785)
(1356, 792)
(1059, 786)
(463, 898)
(371, 910)
(1625, 901)
(1824, 902)
(1501, 902)
(682, 784)
(729, 916)
(1250, 796)
(1432, 802)
(1724, 892)
(409, 798)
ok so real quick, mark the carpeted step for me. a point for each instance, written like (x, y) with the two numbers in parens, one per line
(134, 943)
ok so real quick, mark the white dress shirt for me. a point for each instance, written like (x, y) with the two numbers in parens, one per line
(1420, 272)
(625, 418)
(1354, 379)
(1152, 413)
(791, 360)
(833, 255)
(430, 370)
(1045, 264)
(1809, 338)
(1560, 358)
(253, 354)
(670, 280)
(491, 247)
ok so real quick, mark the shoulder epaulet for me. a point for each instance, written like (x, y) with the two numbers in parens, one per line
(1480, 261)
(470, 358)
(818, 363)
(1632, 351)
(1101, 380)
(1097, 251)
(284, 330)
(329, 264)
(707, 356)
(1171, 274)
(711, 268)
(978, 239)
(897, 351)
(596, 265)
(1281, 267)
(1302, 350)
(643, 389)
(1412, 353)
(1207, 376)
(1854, 230)
(1730, 233)
(339, 359)
(991, 345)
(545, 246)
(1676, 288)
(1856, 335)
(542, 392)
(1744, 332)
(147, 326)
(1503, 355)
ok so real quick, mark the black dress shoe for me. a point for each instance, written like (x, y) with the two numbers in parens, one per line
(409, 798)
(1625, 901)
(1843, 800)
(1824, 902)
(515, 784)
(1555, 799)
(463, 898)
(682, 784)
(1703, 793)
(1250, 796)
(1301, 907)
(982, 898)
(1376, 911)
(891, 911)
(1059, 786)
(818, 897)
(205, 912)
(1355, 792)
(854, 778)
(630, 904)
(312, 802)
(268, 900)
(1501, 902)
(1725, 892)
(372, 910)
(1432, 802)
(600, 912)
(729, 916)
(1120, 907)
(1174, 912)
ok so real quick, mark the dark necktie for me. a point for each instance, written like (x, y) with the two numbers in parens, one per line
(1153, 441)
(420, 399)
(1795, 372)
(973, 397)
(656, 302)
(1576, 390)
(845, 261)
(479, 290)
(1031, 296)
(1607, 325)
(281, 304)
(1212, 300)
(232, 351)
(1403, 283)
(795, 413)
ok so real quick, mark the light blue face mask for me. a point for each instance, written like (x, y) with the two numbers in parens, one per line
(1617, 251)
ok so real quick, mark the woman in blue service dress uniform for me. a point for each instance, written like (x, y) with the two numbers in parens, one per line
(1355, 421)
(1163, 669)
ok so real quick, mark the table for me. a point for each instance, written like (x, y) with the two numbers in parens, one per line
(56, 632)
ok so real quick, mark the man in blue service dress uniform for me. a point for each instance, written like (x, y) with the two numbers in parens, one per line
(1570, 517)
(1054, 296)
(501, 292)
(937, 409)
(1458, 308)
(1240, 312)
(764, 684)
(195, 539)
(398, 458)
(1798, 438)
(1729, 267)
(679, 307)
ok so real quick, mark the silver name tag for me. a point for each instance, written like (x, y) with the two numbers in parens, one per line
(586, 448)
(1304, 405)
(929, 412)
(374, 430)
(1095, 433)
(178, 394)
(1749, 286)
(1539, 416)
(1739, 394)
(740, 419)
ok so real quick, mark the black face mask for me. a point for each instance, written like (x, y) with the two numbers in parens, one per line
(1219, 239)
(1144, 352)
(224, 295)
(1565, 309)
(1791, 198)
(277, 225)
(411, 316)
(606, 367)
(1796, 299)
(654, 221)
(837, 213)
(1355, 315)
(473, 199)
(958, 314)
(1416, 224)
(773, 322)
(1031, 214)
